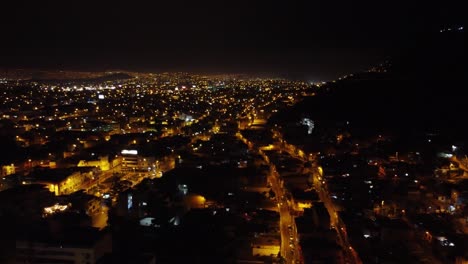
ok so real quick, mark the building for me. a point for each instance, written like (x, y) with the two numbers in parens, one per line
(132, 161)
(304, 198)
(80, 246)
(102, 163)
(321, 216)
(266, 245)
(14, 200)
(64, 181)
(8, 170)
(84, 202)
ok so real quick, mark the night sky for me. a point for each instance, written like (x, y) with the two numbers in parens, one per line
(320, 39)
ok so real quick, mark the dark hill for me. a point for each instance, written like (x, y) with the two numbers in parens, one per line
(424, 89)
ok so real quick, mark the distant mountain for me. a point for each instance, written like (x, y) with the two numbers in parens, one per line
(112, 77)
(74, 77)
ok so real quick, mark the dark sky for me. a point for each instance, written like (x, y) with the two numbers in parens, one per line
(319, 38)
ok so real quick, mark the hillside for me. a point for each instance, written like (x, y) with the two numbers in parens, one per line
(423, 89)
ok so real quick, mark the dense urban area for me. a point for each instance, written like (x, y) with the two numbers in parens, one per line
(124, 167)
(233, 132)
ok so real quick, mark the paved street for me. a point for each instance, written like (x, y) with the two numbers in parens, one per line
(289, 248)
(289, 245)
(351, 255)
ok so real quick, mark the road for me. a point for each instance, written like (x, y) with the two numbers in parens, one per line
(289, 248)
(350, 254)
(289, 241)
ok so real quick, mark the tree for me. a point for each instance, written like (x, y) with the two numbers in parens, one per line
(271, 193)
